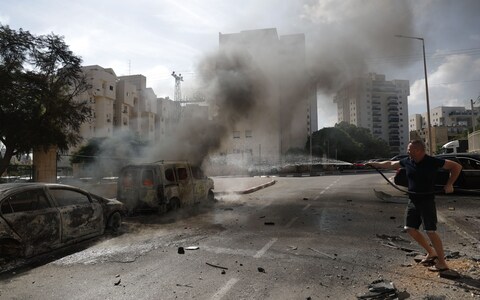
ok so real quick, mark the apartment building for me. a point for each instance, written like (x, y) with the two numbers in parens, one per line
(288, 112)
(144, 110)
(101, 98)
(379, 105)
(447, 122)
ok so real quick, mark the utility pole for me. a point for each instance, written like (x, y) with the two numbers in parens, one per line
(177, 96)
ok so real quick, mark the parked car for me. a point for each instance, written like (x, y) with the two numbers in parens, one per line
(469, 178)
(163, 186)
(38, 217)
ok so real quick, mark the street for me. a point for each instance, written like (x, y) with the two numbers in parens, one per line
(325, 237)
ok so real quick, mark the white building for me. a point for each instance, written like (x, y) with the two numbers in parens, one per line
(379, 105)
(283, 119)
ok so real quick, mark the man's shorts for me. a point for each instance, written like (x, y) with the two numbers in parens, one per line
(421, 211)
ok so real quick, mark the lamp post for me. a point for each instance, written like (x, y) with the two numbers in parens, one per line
(430, 148)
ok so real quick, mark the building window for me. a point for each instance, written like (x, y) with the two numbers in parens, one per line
(236, 134)
(248, 133)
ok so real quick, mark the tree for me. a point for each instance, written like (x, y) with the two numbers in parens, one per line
(40, 78)
(335, 143)
(371, 147)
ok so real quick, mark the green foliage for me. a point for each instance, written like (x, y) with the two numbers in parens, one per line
(348, 143)
(39, 80)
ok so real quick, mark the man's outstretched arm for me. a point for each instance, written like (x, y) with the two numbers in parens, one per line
(385, 164)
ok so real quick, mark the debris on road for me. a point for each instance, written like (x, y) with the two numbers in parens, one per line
(216, 266)
(292, 248)
(118, 282)
(261, 270)
(223, 272)
(184, 285)
(322, 253)
(380, 289)
(305, 198)
(395, 246)
(389, 198)
(181, 250)
(192, 248)
(269, 223)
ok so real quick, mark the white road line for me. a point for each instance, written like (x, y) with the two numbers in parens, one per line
(307, 206)
(224, 290)
(262, 251)
(291, 222)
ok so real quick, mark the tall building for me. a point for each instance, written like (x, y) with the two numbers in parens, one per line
(379, 105)
(288, 112)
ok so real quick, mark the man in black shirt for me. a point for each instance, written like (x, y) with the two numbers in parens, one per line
(421, 171)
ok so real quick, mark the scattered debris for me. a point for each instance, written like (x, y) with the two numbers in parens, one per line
(453, 255)
(394, 246)
(181, 250)
(305, 198)
(393, 238)
(216, 266)
(261, 270)
(389, 198)
(322, 253)
(262, 217)
(269, 223)
(192, 248)
(451, 208)
(184, 285)
(380, 289)
(292, 247)
(118, 282)
(223, 272)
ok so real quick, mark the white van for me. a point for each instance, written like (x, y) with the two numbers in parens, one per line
(163, 186)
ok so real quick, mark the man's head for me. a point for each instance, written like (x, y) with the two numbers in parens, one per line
(416, 150)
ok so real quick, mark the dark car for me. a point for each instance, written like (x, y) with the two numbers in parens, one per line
(469, 178)
(38, 217)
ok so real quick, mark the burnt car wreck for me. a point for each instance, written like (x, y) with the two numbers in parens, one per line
(38, 217)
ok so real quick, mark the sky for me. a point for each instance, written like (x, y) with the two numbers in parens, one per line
(343, 39)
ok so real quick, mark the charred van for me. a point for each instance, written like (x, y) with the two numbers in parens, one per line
(163, 186)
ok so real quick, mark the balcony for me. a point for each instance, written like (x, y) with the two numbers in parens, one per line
(393, 126)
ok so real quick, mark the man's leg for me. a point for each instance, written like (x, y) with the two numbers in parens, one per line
(437, 244)
(422, 241)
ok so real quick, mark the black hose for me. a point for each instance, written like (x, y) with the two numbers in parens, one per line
(402, 190)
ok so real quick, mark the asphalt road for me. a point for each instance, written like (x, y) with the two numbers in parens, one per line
(324, 237)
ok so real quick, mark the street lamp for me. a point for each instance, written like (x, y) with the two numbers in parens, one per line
(426, 89)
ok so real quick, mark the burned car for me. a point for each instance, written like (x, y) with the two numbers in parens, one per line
(163, 186)
(38, 217)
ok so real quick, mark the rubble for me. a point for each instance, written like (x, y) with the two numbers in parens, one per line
(380, 289)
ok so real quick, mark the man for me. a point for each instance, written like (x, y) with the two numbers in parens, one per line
(421, 171)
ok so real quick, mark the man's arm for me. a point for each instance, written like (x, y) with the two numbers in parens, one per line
(455, 169)
(385, 164)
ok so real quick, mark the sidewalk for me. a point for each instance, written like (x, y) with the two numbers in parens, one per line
(241, 185)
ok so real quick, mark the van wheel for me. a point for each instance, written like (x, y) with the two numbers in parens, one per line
(174, 204)
(211, 196)
(115, 222)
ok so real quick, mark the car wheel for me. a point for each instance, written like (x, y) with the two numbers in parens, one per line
(174, 204)
(115, 222)
(10, 249)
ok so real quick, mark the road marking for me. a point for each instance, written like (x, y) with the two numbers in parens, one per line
(307, 206)
(291, 222)
(262, 251)
(224, 290)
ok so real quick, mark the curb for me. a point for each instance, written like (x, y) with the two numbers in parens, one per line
(250, 190)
